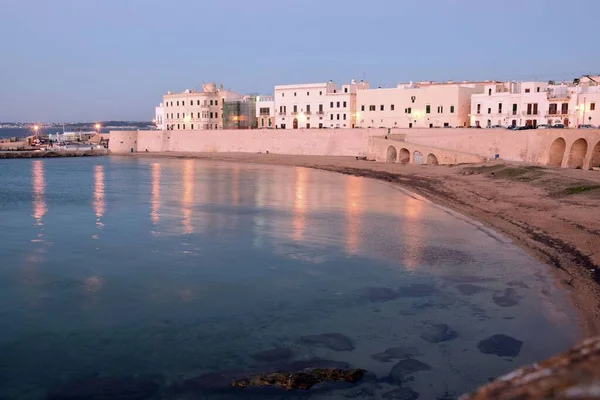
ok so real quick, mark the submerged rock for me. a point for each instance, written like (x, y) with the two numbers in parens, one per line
(273, 355)
(303, 380)
(381, 294)
(469, 289)
(417, 290)
(397, 353)
(508, 299)
(500, 345)
(436, 333)
(108, 388)
(403, 393)
(333, 341)
(407, 367)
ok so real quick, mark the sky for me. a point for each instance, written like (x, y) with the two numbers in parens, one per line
(93, 60)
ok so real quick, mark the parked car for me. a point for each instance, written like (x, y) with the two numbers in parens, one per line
(544, 126)
(512, 127)
(558, 126)
(587, 126)
(497, 127)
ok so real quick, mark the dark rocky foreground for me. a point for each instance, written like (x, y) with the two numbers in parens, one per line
(52, 154)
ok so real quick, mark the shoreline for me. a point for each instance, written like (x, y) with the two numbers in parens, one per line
(549, 212)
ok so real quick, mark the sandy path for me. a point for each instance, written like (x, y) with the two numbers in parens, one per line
(553, 213)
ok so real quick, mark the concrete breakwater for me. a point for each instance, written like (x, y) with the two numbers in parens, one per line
(52, 154)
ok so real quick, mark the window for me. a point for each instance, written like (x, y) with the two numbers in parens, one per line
(535, 108)
(211, 102)
(320, 108)
(183, 126)
(198, 102)
(381, 107)
(338, 117)
(489, 92)
(177, 126)
(478, 108)
(427, 109)
(294, 94)
(344, 117)
(264, 111)
(211, 114)
(345, 90)
(529, 109)
(295, 109)
(216, 115)
(198, 115)
(362, 108)
(372, 108)
(308, 93)
(538, 90)
(282, 125)
(392, 107)
(408, 110)
(344, 104)
(320, 93)
(331, 117)
(410, 124)
(527, 90)
(592, 106)
(565, 108)
(178, 104)
(440, 109)
(499, 108)
(489, 110)
(177, 115)
(308, 108)
(331, 105)
(451, 109)
(338, 104)
(183, 104)
(514, 109)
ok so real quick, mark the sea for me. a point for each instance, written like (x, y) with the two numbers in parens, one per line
(169, 278)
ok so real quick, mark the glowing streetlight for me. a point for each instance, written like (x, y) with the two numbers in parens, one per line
(98, 126)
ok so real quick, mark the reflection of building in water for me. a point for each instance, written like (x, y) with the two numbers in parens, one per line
(354, 211)
(413, 231)
(39, 189)
(155, 202)
(300, 203)
(188, 196)
(235, 185)
(99, 200)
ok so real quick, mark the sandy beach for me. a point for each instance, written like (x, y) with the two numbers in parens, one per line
(552, 213)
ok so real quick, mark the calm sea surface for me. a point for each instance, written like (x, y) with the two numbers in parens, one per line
(144, 275)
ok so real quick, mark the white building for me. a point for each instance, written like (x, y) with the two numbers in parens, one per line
(537, 103)
(417, 105)
(193, 109)
(317, 105)
(159, 117)
(265, 111)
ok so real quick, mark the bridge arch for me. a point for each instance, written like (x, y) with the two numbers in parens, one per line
(557, 152)
(418, 157)
(577, 153)
(404, 156)
(392, 154)
(432, 159)
(595, 159)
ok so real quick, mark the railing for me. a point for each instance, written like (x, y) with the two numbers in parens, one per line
(557, 113)
(282, 113)
(559, 96)
(308, 113)
(294, 113)
(320, 112)
(530, 113)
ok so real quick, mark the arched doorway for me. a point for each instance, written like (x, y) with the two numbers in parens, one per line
(392, 154)
(404, 157)
(557, 152)
(432, 159)
(577, 153)
(418, 157)
(295, 123)
(596, 156)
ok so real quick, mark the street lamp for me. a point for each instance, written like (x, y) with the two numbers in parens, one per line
(98, 126)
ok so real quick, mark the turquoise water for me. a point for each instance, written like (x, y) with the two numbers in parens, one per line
(165, 270)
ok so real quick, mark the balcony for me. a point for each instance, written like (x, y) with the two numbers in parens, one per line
(559, 96)
(294, 113)
(320, 112)
(308, 113)
(282, 113)
(530, 113)
(557, 113)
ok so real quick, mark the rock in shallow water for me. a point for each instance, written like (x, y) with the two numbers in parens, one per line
(108, 388)
(273, 355)
(508, 299)
(436, 333)
(333, 341)
(397, 353)
(381, 294)
(500, 345)
(303, 380)
(407, 367)
(469, 289)
(403, 393)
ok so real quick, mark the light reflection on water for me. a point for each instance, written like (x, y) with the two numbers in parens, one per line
(182, 267)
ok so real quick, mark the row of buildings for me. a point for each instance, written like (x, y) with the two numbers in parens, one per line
(412, 105)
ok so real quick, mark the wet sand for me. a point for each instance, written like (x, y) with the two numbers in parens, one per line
(553, 213)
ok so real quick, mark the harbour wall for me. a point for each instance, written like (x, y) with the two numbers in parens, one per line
(574, 148)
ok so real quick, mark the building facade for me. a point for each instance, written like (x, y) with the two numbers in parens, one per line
(159, 117)
(240, 114)
(417, 105)
(265, 111)
(195, 110)
(317, 105)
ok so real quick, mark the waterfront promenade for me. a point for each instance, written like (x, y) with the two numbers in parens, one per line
(546, 210)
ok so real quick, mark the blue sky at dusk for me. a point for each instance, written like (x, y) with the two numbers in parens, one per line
(74, 60)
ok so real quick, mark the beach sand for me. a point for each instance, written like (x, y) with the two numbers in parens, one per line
(553, 213)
